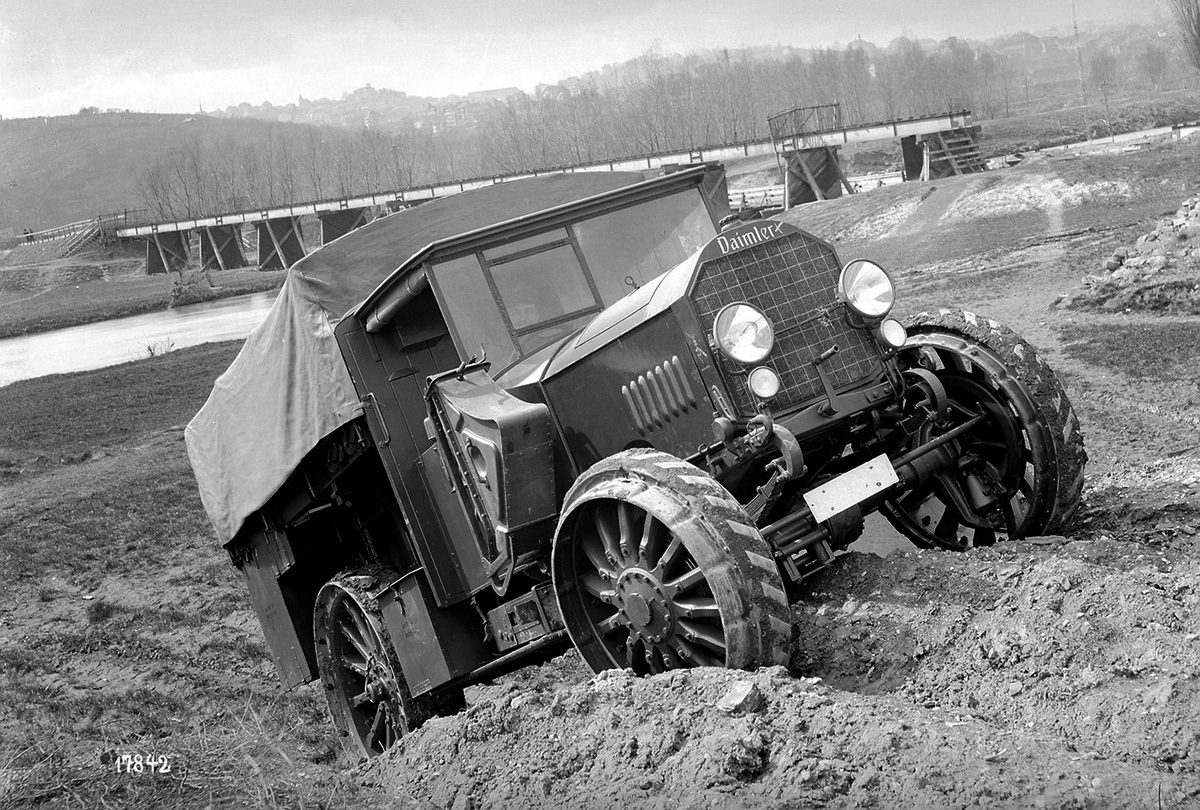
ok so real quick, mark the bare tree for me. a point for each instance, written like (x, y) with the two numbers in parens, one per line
(372, 155)
(287, 156)
(402, 158)
(1187, 17)
(1103, 71)
(154, 187)
(316, 161)
(252, 174)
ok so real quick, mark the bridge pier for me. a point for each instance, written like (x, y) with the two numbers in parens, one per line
(166, 252)
(335, 224)
(814, 174)
(221, 247)
(279, 243)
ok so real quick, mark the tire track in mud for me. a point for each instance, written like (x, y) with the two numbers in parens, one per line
(930, 211)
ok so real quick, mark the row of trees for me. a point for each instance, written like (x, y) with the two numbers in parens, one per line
(282, 164)
(653, 104)
(658, 104)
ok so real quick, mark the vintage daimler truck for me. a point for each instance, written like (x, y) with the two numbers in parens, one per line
(574, 410)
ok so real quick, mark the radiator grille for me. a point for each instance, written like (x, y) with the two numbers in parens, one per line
(792, 280)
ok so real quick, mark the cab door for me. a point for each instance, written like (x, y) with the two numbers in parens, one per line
(390, 369)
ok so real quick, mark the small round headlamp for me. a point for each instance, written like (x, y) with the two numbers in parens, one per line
(867, 289)
(764, 382)
(892, 333)
(744, 334)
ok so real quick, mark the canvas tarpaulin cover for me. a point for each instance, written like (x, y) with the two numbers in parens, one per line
(288, 387)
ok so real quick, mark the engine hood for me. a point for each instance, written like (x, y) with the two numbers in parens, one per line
(625, 315)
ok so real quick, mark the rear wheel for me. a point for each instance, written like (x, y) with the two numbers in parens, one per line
(369, 700)
(657, 567)
(1020, 472)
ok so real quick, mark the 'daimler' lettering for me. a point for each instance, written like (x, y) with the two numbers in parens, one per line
(756, 235)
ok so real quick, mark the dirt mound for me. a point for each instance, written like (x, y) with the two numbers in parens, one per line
(1160, 273)
(1048, 673)
(1015, 193)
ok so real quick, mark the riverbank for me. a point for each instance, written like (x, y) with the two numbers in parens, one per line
(100, 286)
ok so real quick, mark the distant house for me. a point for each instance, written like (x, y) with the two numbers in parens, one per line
(1022, 46)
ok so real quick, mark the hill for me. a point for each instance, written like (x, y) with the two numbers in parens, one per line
(66, 168)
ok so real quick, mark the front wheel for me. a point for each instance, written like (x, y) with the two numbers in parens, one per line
(1020, 472)
(657, 567)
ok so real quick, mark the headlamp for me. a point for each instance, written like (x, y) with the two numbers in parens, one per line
(892, 333)
(866, 289)
(764, 382)
(744, 334)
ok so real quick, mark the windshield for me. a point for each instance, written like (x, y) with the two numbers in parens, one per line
(515, 298)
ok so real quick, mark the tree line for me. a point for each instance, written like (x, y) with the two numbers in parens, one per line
(652, 104)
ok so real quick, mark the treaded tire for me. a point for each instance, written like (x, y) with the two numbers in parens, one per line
(970, 350)
(654, 563)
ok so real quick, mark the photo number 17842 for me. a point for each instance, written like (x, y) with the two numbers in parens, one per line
(142, 763)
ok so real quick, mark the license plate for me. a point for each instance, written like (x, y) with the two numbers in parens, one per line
(851, 488)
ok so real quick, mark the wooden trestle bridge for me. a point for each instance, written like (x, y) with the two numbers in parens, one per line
(806, 139)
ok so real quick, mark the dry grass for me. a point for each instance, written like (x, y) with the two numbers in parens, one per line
(1144, 350)
(125, 628)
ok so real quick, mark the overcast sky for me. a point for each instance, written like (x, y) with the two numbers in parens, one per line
(173, 56)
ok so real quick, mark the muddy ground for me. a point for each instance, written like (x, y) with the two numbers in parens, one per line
(1060, 672)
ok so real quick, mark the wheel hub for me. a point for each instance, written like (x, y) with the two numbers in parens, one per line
(644, 605)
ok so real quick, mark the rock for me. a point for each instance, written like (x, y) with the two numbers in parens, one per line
(527, 699)
(746, 757)
(1112, 264)
(1121, 253)
(1015, 688)
(743, 697)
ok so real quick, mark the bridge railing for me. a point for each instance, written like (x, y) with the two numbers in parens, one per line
(50, 234)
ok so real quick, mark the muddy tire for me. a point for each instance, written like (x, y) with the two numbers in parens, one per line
(369, 700)
(657, 567)
(1028, 456)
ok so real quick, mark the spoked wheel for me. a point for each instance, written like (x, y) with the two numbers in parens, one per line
(368, 697)
(657, 567)
(1019, 473)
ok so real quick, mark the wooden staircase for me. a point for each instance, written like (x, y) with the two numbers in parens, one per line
(953, 152)
(81, 240)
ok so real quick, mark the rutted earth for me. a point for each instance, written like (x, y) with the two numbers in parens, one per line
(1039, 675)
(1058, 672)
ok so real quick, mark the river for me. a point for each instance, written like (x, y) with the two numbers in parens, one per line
(107, 343)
